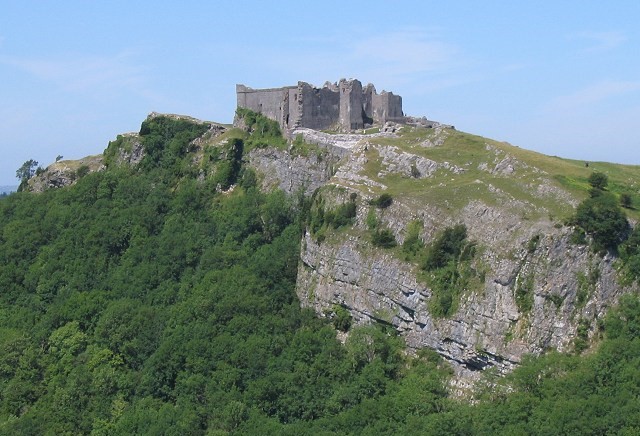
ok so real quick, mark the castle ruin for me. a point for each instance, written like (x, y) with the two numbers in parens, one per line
(343, 106)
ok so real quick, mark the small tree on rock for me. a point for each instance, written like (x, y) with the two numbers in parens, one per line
(25, 172)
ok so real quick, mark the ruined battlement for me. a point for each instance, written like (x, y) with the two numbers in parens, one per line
(343, 106)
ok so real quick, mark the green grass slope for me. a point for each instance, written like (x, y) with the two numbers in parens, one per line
(492, 172)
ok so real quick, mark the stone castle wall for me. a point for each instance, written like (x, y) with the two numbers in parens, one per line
(344, 106)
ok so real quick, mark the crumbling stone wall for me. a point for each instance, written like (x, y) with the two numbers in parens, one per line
(344, 106)
(319, 108)
(272, 103)
(387, 107)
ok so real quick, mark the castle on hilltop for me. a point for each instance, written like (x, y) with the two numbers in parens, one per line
(344, 106)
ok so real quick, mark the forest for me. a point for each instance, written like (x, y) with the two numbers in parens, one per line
(144, 300)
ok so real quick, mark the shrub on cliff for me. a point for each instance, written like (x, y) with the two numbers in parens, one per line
(602, 218)
(447, 247)
(630, 255)
(383, 201)
(626, 200)
(264, 131)
(448, 262)
(383, 238)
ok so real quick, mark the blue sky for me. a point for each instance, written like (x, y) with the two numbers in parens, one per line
(562, 78)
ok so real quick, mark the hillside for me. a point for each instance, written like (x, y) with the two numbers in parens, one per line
(159, 290)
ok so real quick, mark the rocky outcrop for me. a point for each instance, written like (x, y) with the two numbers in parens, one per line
(292, 173)
(293, 170)
(65, 173)
(131, 152)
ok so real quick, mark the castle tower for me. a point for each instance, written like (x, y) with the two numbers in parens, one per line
(351, 108)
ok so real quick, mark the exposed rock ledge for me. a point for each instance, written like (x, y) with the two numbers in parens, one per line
(65, 173)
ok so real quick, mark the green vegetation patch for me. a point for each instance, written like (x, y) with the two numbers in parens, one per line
(383, 238)
(321, 217)
(264, 131)
(447, 262)
(383, 201)
(299, 147)
(602, 218)
(166, 142)
(630, 256)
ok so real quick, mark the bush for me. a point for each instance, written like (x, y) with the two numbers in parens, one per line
(412, 244)
(166, 141)
(372, 220)
(383, 238)
(341, 318)
(630, 254)
(343, 215)
(82, 171)
(447, 260)
(228, 169)
(264, 131)
(598, 180)
(532, 245)
(524, 294)
(322, 218)
(447, 247)
(626, 200)
(383, 201)
(602, 219)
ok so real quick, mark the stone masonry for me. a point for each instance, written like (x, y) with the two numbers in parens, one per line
(343, 106)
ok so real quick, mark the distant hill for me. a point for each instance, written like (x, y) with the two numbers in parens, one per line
(8, 189)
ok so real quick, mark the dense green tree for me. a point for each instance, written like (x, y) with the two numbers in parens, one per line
(25, 172)
(602, 218)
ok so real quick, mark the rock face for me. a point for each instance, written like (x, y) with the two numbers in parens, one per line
(569, 286)
(292, 174)
(132, 154)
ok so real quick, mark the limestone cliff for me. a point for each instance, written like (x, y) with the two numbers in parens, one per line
(513, 204)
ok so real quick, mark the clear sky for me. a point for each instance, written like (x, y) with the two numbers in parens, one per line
(559, 77)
